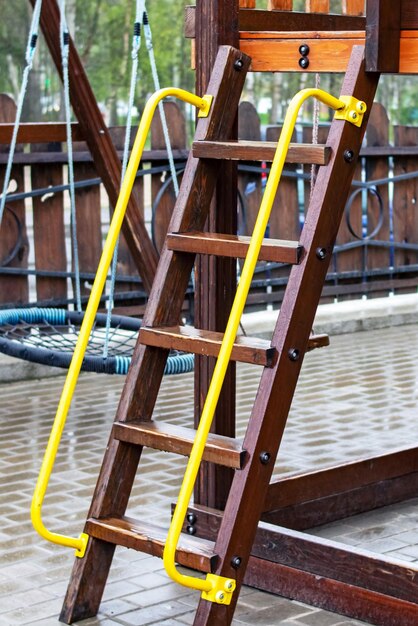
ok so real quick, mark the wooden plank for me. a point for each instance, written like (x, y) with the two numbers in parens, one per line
(236, 246)
(354, 7)
(176, 124)
(208, 342)
(291, 21)
(27, 158)
(49, 231)
(383, 29)
(320, 556)
(40, 132)
(346, 504)
(409, 14)
(178, 440)
(150, 538)
(331, 595)
(247, 4)
(89, 223)
(280, 5)
(260, 151)
(100, 144)
(378, 211)
(249, 183)
(405, 218)
(346, 477)
(14, 244)
(317, 6)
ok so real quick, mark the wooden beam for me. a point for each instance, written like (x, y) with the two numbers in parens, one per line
(331, 595)
(322, 483)
(328, 52)
(100, 143)
(257, 20)
(321, 557)
(383, 31)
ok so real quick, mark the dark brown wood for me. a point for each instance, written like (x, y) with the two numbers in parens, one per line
(100, 144)
(258, 20)
(249, 182)
(322, 557)
(260, 151)
(13, 235)
(331, 595)
(383, 35)
(405, 223)
(235, 246)
(208, 342)
(345, 504)
(295, 321)
(49, 231)
(345, 477)
(409, 14)
(150, 538)
(142, 383)
(215, 278)
(179, 440)
(177, 132)
(27, 158)
(40, 132)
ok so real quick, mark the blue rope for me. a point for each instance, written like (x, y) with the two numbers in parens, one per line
(176, 364)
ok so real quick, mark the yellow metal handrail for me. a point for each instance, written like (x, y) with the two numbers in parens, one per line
(217, 588)
(80, 543)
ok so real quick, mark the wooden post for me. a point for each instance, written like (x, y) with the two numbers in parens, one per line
(383, 32)
(216, 277)
(100, 144)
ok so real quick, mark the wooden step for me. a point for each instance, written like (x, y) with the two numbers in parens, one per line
(317, 341)
(261, 151)
(236, 246)
(206, 342)
(149, 538)
(170, 438)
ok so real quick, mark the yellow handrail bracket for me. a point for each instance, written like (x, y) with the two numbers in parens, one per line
(217, 588)
(203, 105)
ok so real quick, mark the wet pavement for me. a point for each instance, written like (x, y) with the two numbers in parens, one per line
(356, 398)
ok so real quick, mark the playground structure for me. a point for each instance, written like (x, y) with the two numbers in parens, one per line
(298, 566)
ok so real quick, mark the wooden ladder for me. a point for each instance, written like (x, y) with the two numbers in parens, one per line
(281, 359)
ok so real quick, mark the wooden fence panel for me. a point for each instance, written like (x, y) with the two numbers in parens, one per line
(353, 7)
(405, 213)
(249, 183)
(378, 218)
(48, 229)
(13, 243)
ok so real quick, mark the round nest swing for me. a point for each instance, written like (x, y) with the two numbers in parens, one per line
(48, 336)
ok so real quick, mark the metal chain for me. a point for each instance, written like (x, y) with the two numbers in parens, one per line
(30, 52)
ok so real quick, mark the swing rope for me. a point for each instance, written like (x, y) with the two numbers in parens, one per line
(30, 53)
(65, 51)
(136, 46)
(150, 48)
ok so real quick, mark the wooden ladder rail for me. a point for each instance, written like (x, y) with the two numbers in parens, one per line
(277, 385)
(138, 398)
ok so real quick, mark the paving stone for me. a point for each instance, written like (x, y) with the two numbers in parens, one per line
(337, 388)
